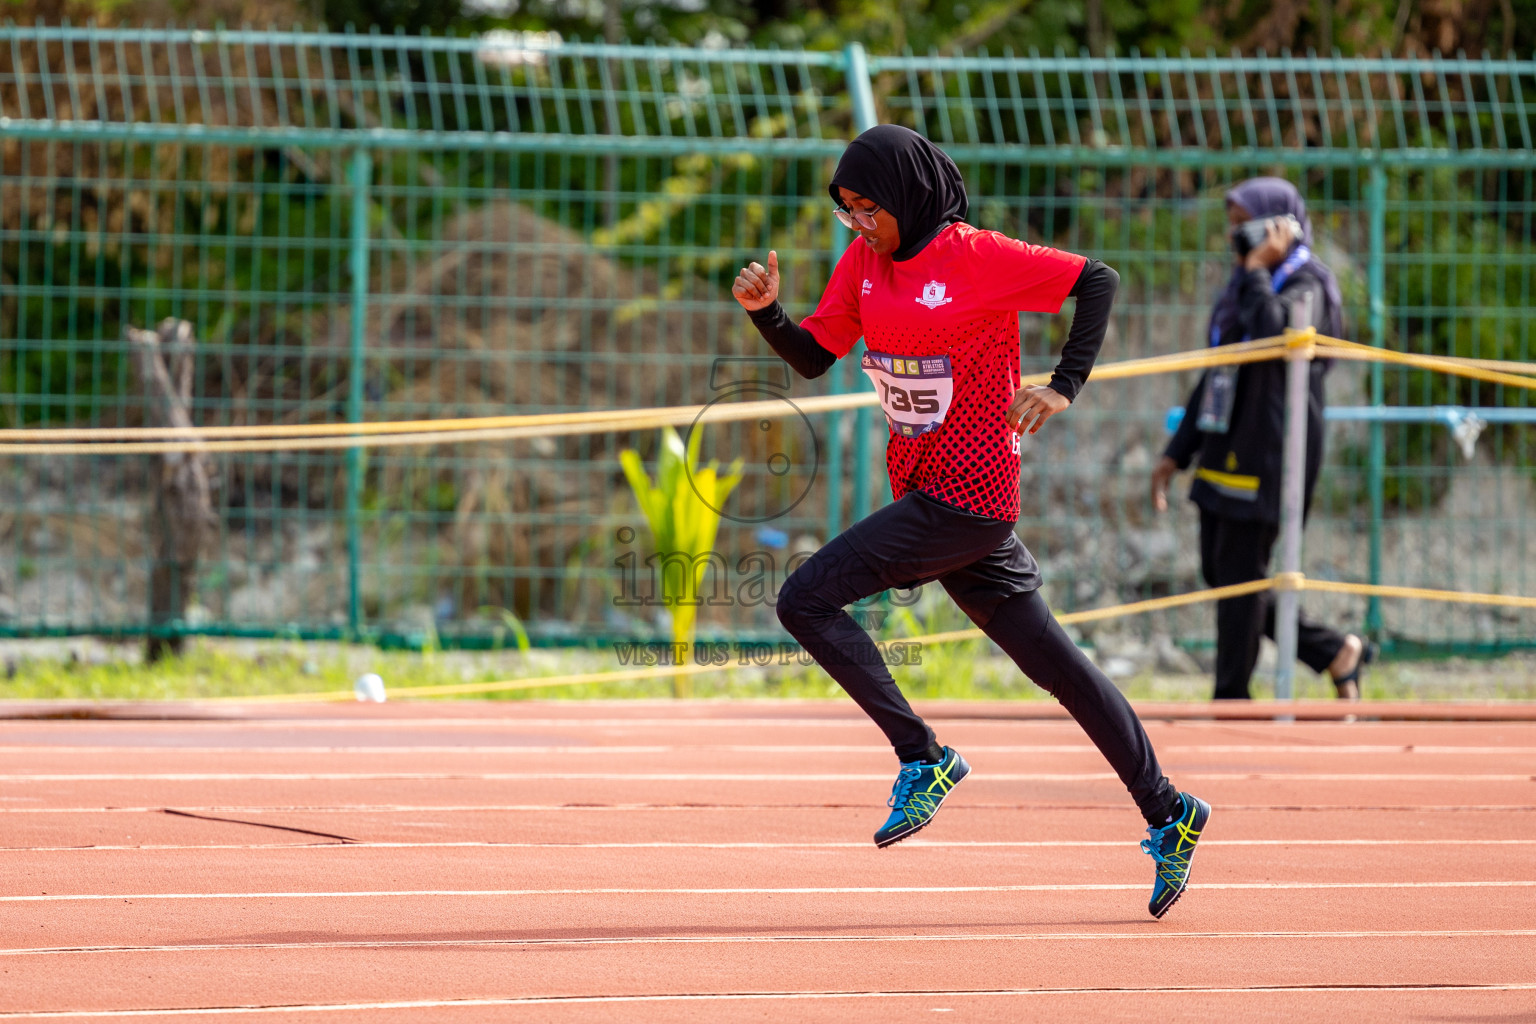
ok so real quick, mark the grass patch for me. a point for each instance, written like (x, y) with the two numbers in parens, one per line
(84, 669)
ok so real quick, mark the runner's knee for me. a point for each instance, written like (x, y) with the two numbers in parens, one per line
(800, 608)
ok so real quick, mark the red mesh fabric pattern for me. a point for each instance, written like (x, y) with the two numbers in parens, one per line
(960, 297)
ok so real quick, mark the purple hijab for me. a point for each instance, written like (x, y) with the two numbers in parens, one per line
(1276, 197)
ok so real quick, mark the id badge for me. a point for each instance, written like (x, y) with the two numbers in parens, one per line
(1216, 401)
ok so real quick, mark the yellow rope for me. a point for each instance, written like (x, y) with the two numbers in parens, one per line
(300, 429)
(1508, 366)
(327, 436)
(1227, 354)
(552, 425)
(408, 433)
(1155, 604)
(1333, 348)
(1416, 593)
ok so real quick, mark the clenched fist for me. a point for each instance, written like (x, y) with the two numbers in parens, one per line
(757, 287)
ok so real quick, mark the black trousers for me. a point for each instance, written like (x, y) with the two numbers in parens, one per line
(988, 572)
(1236, 551)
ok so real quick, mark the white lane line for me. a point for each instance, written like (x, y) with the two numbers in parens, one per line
(738, 777)
(516, 777)
(731, 940)
(30, 750)
(828, 890)
(910, 843)
(848, 721)
(840, 714)
(1267, 991)
(694, 808)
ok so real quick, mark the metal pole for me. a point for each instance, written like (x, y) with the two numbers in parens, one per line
(360, 174)
(1293, 473)
(861, 95)
(1376, 198)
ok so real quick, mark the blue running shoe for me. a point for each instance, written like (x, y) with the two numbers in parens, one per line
(920, 789)
(1173, 847)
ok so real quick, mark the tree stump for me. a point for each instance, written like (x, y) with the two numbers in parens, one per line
(184, 514)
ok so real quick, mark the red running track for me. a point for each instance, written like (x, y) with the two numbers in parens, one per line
(712, 862)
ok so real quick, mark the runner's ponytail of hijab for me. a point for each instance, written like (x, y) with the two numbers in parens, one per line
(1276, 197)
(905, 174)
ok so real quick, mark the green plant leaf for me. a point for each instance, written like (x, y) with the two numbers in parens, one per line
(652, 501)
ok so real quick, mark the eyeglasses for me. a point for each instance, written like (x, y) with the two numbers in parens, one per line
(855, 219)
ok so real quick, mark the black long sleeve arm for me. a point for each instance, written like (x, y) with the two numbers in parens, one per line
(1265, 314)
(1095, 292)
(794, 344)
(1186, 440)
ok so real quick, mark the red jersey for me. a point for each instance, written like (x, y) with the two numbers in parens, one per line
(941, 332)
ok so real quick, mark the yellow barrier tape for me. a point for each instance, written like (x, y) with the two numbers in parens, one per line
(1252, 351)
(408, 433)
(572, 423)
(1416, 593)
(1290, 581)
(325, 436)
(1155, 604)
(321, 436)
(301, 429)
(1333, 348)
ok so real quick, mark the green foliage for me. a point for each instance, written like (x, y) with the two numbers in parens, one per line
(682, 510)
(966, 670)
(510, 623)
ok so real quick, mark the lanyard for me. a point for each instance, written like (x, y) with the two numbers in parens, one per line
(1281, 274)
(1295, 261)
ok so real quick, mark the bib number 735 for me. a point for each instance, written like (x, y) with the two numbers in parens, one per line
(914, 392)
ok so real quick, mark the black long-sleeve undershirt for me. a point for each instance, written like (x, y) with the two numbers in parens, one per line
(795, 345)
(1095, 293)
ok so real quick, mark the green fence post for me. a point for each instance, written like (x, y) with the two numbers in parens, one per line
(360, 174)
(862, 96)
(1376, 200)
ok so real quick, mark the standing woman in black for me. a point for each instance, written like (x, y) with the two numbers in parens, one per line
(936, 302)
(1234, 429)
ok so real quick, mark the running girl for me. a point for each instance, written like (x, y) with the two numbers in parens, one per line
(937, 303)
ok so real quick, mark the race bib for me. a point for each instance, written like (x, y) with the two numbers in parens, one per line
(914, 392)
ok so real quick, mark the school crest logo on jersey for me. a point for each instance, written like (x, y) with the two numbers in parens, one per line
(933, 295)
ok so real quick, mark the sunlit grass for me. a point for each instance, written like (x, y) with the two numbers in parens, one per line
(973, 670)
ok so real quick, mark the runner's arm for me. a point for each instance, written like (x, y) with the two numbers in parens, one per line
(1095, 292)
(795, 345)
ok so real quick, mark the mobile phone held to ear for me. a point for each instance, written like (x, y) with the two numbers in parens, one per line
(1250, 233)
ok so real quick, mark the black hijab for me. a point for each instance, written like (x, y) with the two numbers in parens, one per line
(904, 173)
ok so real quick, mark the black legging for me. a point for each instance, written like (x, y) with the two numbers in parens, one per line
(990, 575)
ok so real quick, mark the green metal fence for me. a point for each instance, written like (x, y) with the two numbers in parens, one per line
(368, 227)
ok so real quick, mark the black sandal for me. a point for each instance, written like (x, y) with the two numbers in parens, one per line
(1368, 652)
